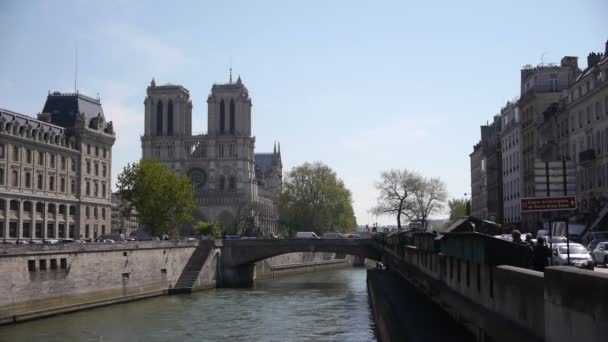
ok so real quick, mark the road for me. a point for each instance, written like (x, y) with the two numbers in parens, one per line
(601, 269)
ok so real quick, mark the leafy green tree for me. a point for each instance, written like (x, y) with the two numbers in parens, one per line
(162, 199)
(458, 209)
(315, 199)
(207, 228)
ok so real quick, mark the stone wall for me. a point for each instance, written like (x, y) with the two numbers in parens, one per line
(42, 280)
(302, 262)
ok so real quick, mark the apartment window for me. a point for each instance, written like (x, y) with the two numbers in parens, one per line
(28, 180)
(73, 165)
(96, 188)
(588, 115)
(15, 153)
(2, 147)
(53, 264)
(88, 188)
(88, 149)
(62, 184)
(52, 183)
(42, 263)
(41, 158)
(31, 265)
(63, 162)
(52, 162)
(87, 232)
(88, 167)
(28, 156)
(40, 182)
(15, 178)
(63, 263)
(95, 212)
(105, 152)
(580, 119)
(96, 169)
(72, 210)
(103, 190)
(73, 186)
(96, 151)
(103, 213)
(103, 170)
(1, 176)
(87, 211)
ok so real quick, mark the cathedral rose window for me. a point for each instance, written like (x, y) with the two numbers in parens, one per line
(198, 179)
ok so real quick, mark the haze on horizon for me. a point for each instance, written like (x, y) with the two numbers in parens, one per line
(360, 86)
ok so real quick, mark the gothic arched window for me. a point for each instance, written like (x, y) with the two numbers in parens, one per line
(222, 182)
(232, 117)
(170, 118)
(222, 117)
(232, 183)
(159, 118)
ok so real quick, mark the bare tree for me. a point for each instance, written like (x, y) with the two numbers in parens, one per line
(395, 198)
(430, 196)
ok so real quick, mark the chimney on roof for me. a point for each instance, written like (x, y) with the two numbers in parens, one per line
(569, 62)
(593, 58)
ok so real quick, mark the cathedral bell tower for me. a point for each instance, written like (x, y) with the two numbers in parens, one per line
(229, 109)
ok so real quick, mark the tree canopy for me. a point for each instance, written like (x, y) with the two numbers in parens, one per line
(161, 198)
(410, 196)
(315, 199)
(458, 209)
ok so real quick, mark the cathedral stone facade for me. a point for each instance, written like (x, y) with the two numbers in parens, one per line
(233, 185)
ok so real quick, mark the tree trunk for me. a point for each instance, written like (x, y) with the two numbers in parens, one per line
(399, 219)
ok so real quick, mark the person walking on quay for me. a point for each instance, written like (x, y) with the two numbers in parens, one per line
(541, 253)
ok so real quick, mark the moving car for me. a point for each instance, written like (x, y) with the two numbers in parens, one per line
(579, 256)
(332, 235)
(600, 253)
(306, 235)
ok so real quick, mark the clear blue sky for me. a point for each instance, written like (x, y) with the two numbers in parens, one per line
(361, 85)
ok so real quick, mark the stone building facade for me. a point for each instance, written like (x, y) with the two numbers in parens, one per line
(512, 173)
(55, 171)
(124, 220)
(231, 182)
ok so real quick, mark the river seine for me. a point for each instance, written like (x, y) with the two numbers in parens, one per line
(323, 306)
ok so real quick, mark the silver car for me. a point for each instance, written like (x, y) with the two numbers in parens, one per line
(579, 256)
(600, 253)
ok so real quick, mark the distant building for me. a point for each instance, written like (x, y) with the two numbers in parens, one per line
(124, 220)
(587, 115)
(486, 174)
(231, 182)
(55, 170)
(512, 172)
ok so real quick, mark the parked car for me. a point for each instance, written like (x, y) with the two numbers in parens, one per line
(51, 241)
(66, 240)
(8, 242)
(579, 256)
(306, 235)
(232, 237)
(352, 236)
(600, 253)
(36, 242)
(108, 241)
(22, 242)
(594, 244)
(332, 235)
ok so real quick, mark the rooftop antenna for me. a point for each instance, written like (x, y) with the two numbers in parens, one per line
(542, 59)
(76, 68)
(230, 70)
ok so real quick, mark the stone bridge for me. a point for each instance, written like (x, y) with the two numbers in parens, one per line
(239, 256)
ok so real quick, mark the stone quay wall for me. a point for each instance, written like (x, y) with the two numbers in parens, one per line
(42, 280)
(507, 303)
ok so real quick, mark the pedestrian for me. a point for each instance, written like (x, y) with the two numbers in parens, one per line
(529, 239)
(528, 257)
(542, 253)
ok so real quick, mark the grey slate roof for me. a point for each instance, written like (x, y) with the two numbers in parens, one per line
(64, 107)
(263, 162)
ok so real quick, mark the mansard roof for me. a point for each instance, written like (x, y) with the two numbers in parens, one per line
(64, 108)
(8, 116)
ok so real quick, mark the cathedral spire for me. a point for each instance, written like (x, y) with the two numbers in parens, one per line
(279, 148)
(153, 83)
(274, 151)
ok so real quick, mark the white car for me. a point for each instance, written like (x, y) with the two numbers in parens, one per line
(600, 253)
(579, 256)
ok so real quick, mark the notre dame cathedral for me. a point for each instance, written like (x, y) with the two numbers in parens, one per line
(233, 185)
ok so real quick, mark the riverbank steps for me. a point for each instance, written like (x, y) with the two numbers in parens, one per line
(44, 280)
